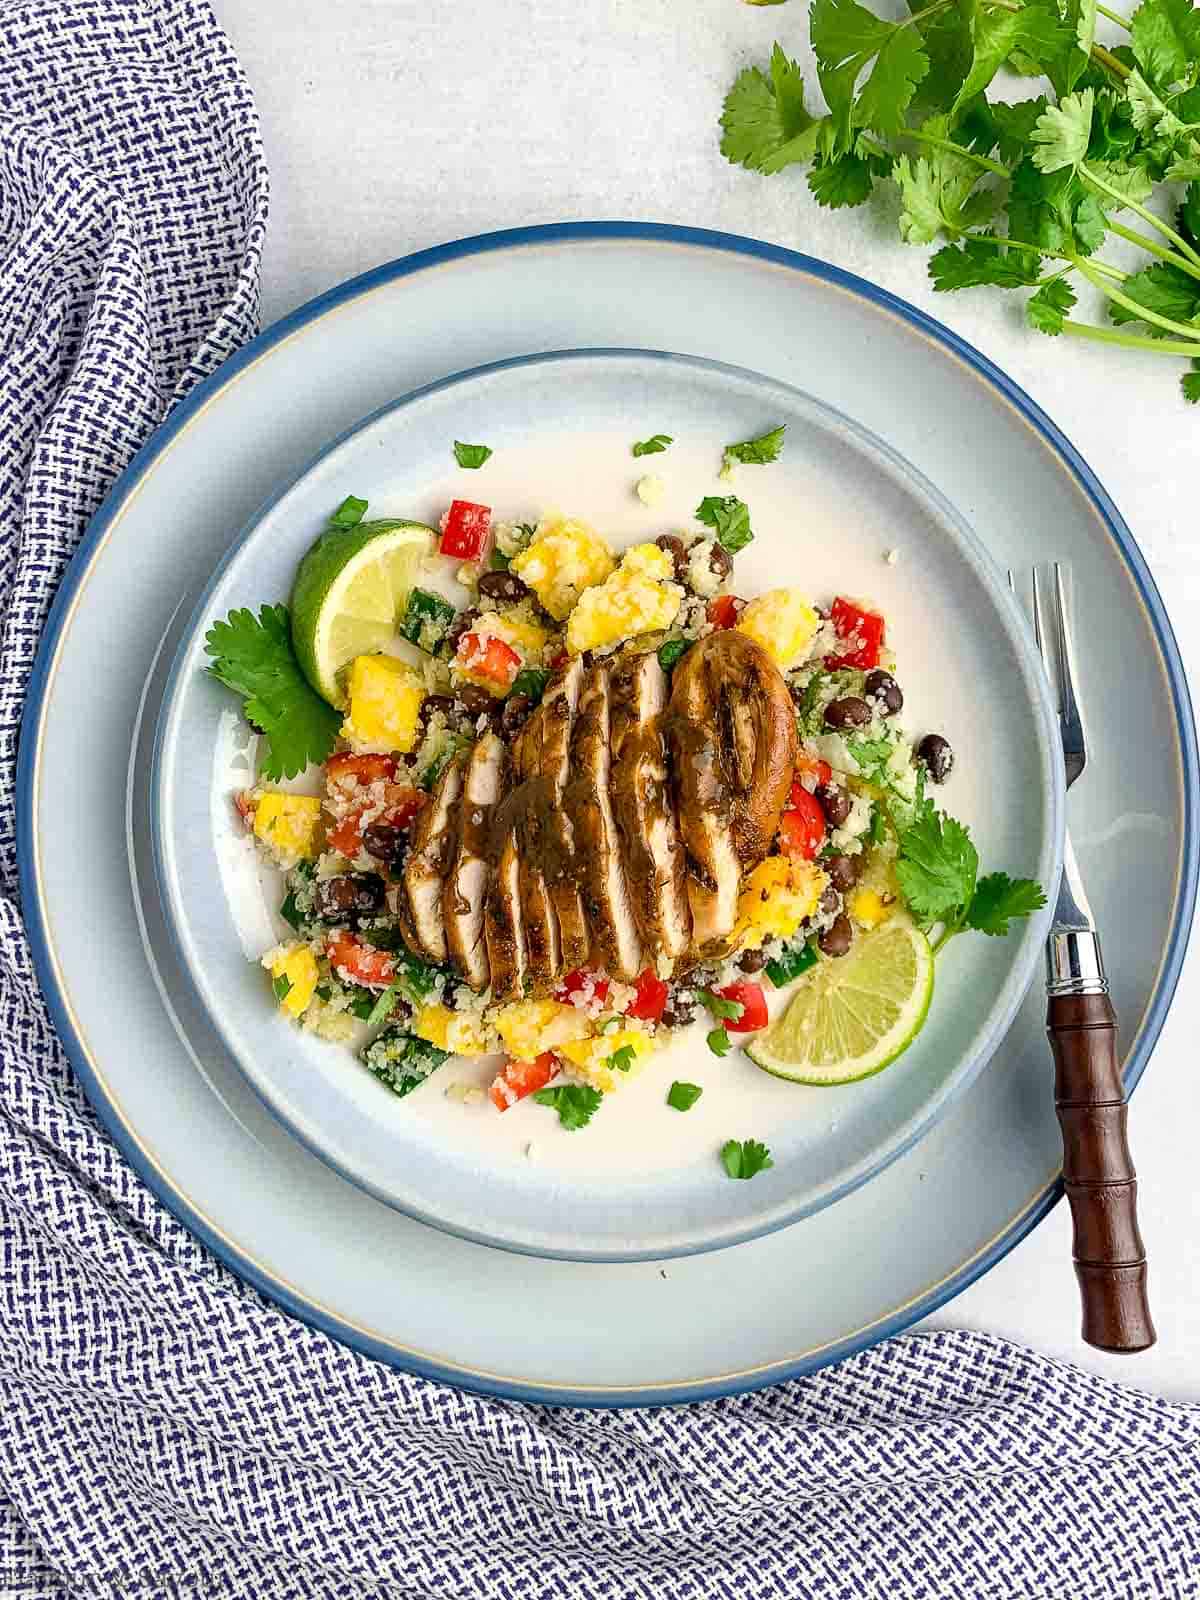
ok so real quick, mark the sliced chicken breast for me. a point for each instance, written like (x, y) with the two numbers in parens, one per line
(557, 712)
(600, 874)
(502, 921)
(644, 810)
(466, 882)
(538, 921)
(434, 836)
(732, 741)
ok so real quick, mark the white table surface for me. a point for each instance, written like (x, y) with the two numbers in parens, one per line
(391, 125)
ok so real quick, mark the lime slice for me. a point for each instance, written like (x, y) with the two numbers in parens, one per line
(852, 1016)
(350, 594)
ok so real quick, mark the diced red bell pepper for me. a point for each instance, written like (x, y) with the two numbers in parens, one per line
(340, 769)
(864, 630)
(403, 804)
(245, 807)
(753, 1003)
(577, 983)
(356, 962)
(516, 1079)
(489, 659)
(724, 610)
(802, 829)
(651, 999)
(558, 659)
(466, 530)
(810, 774)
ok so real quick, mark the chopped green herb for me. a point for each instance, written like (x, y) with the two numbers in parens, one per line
(288, 911)
(999, 898)
(470, 455)
(729, 518)
(386, 1004)
(871, 756)
(498, 561)
(349, 514)
(719, 1042)
(254, 657)
(878, 826)
(621, 1060)
(654, 446)
(683, 1096)
(324, 992)
(754, 452)
(282, 986)
(745, 1158)
(718, 1007)
(361, 1006)
(790, 963)
(576, 1103)
(670, 651)
(427, 620)
(531, 681)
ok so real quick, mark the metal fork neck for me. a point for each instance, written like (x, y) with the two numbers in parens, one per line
(1074, 963)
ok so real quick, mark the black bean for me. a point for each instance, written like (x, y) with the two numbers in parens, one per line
(677, 550)
(516, 713)
(678, 1013)
(937, 755)
(830, 900)
(838, 937)
(474, 700)
(882, 687)
(435, 703)
(504, 587)
(751, 961)
(384, 840)
(849, 712)
(350, 897)
(843, 870)
(720, 560)
(834, 802)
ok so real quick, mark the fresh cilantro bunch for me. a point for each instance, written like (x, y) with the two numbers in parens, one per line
(1023, 195)
(938, 872)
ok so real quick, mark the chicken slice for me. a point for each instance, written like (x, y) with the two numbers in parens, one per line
(732, 736)
(538, 921)
(597, 854)
(644, 810)
(502, 920)
(557, 712)
(466, 883)
(434, 837)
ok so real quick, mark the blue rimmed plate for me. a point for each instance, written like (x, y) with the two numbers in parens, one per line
(645, 1183)
(542, 1328)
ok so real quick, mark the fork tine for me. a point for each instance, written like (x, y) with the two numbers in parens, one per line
(1065, 651)
(1037, 621)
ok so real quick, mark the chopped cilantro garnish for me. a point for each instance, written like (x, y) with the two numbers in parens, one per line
(576, 1103)
(729, 518)
(349, 514)
(531, 681)
(683, 1096)
(621, 1060)
(470, 455)
(498, 561)
(670, 651)
(288, 910)
(754, 452)
(718, 1007)
(745, 1158)
(654, 446)
(719, 1042)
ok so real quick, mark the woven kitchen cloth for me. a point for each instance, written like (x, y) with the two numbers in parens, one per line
(166, 1432)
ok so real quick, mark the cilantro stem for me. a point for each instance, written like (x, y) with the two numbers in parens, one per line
(1000, 170)
(1109, 61)
(1113, 16)
(1156, 223)
(1140, 312)
(1171, 257)
(1132, 341)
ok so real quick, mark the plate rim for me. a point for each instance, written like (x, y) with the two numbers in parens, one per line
(166, 741)
(41, 678)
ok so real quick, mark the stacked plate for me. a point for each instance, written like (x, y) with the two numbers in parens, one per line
(629, 1269)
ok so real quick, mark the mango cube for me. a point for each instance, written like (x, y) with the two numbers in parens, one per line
(294, 978)
(783, 622)
(528, 1027)
(639, 597)
(777, 897)
(868, 908)
(385, 703)
(450, 1030)
(287, 824)
(592, 1058)
(565, 558)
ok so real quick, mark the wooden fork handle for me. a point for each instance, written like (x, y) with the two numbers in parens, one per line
(1101, 1185)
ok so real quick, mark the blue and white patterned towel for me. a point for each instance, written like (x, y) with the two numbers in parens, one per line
(164, 1432)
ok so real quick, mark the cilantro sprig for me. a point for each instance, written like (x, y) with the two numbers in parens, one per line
(937, 869)
(729, 518)
(471, 455)
(745, 1158)
(654, 445)
(576, 1103)
(1020, 196)
(254, 657)
(754, 452)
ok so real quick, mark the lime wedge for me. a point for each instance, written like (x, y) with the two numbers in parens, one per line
(350, 594)
(853, 1016)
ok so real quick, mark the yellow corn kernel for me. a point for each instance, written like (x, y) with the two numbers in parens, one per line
(591, 1057)
(783, 622)
(868, 908)
(528, 1027)
(287, 824)
(294, 978)
(461, 1034)
(565, 558)
(780, 894)
(639, 597)
(385, 702)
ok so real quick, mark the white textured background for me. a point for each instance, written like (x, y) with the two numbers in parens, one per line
(391, 125)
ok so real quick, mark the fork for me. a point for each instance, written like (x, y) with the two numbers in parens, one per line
(1089, 1096)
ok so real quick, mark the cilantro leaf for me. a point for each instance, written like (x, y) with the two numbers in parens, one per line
(654, 445)
(471, 455)
(1035, 30)
(1190, 384)
(1046, 309)
(745, 1158)
(1162, 289)
(973, 264)
(936, 867)
(1165, 35)
(757, 452)
(1187, 216)
(576, 1103)
(729, 518)
(1062, 132)
(1088, 225)
(1149, 111)
(934, 192)
(683, 1096)
(846, 37)
(1015, 124)
(718, 1007)
(621, 1060)
(719, 1042)
(254, 657)
(845, 182)
(349, 514)
(871, 756)
(670, 652)
(764, 121)
(999, 898)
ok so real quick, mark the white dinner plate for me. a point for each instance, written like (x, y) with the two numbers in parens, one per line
(645, 1182)
(163, 1081)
